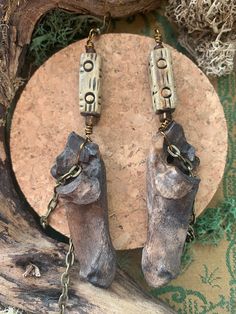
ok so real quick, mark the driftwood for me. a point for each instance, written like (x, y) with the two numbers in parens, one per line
(86, 202)
(170, 199)
(22, 242)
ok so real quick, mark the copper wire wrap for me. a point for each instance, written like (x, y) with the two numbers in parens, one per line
(157, 36)
(158, 39)
(165, 124)
(89, 124)
(90, 44)
(88, 131)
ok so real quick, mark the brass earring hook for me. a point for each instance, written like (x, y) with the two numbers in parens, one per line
(94, 32)
(106, 22)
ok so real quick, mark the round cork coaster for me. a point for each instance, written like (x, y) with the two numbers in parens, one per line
(48, 110)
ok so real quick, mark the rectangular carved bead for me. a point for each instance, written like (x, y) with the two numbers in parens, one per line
(162, 83)
(90, 84)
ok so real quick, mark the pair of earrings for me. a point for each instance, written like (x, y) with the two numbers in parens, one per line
(171, 182)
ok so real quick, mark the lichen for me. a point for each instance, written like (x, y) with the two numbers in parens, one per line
(207, 30)
(11, 311)
(57, 30)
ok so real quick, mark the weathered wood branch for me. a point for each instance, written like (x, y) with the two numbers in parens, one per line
(21, 244)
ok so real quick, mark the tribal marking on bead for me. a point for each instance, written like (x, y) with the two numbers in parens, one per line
(162, 81)
(90, 84)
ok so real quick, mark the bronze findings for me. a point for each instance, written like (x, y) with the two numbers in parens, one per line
(158, 39)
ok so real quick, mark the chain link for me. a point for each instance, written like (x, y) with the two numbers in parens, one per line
(174, 151)
(191, 234)
(186, 163)
(65, 278)
(74, 172)
(51, 206)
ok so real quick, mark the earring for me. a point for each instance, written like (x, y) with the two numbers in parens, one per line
(81, 181)
(171, 181)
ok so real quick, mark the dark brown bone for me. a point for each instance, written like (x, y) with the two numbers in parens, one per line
(170, 198)
(86, 204)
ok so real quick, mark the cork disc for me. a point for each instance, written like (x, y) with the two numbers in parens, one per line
(48, 110)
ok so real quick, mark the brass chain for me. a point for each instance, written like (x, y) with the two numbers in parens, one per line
(51, 206)
(74, 172)
(175, 152)
(65, 278)
(191, 234)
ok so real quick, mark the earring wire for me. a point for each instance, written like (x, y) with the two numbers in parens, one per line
(94, 32)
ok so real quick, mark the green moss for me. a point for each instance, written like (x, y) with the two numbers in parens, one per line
(57, 30)
(211, 227)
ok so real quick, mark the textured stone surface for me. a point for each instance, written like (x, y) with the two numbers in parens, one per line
(48, 110)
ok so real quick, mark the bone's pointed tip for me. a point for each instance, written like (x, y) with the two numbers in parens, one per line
(156, 277)
(101, 279)
(101, 283)
(157, 281)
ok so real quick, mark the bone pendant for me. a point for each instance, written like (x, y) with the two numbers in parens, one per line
(86, 203)
(170, 199)
(162, 83)
(90, 84)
